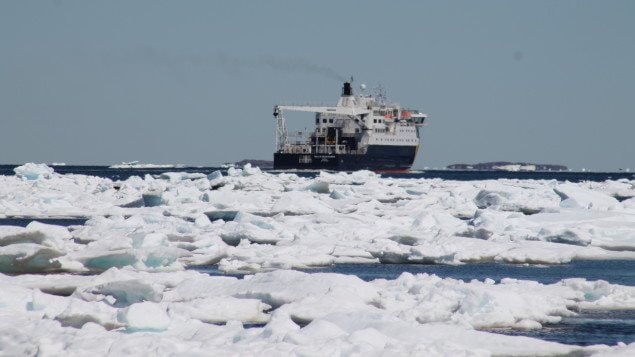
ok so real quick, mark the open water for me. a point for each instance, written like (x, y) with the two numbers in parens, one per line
(587, 328)
(122, 174)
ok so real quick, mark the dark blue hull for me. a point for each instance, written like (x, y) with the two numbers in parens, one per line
(377, 158)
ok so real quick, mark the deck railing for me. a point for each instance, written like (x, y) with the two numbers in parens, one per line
(321, 149)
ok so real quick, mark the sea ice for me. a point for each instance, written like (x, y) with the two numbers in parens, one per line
(136, 297)
(298, 312)
(33, 171)
(574, 196)
(302, 224)
(145, 316)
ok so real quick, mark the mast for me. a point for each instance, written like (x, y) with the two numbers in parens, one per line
(282, 136)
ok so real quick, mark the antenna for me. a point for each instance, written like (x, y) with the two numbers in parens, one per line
(380, 93)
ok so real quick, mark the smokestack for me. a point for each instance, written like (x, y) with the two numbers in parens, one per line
(347, 90)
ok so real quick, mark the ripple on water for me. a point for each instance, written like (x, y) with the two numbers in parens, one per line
(588, 328)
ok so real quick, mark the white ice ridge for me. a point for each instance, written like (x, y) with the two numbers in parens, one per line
(128, 312)
(33, 171)
(249, 221)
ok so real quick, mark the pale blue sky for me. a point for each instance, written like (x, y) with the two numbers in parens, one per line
(194, 82)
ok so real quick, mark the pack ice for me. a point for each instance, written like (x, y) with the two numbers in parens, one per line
(135, 296)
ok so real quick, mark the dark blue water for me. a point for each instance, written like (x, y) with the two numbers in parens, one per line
(614, 271)
(122, 174)
(588, 328)
(24, 221)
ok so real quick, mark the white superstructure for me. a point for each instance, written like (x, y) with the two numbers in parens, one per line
(353, 124)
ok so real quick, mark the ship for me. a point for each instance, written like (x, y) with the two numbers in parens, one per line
(361, 132)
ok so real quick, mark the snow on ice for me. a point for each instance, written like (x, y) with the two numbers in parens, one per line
(135, 296)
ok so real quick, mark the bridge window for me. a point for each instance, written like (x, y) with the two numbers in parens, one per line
(324, 120)
(331, 120)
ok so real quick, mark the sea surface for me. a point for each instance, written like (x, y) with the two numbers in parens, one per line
(587, 328)
(571, 176)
